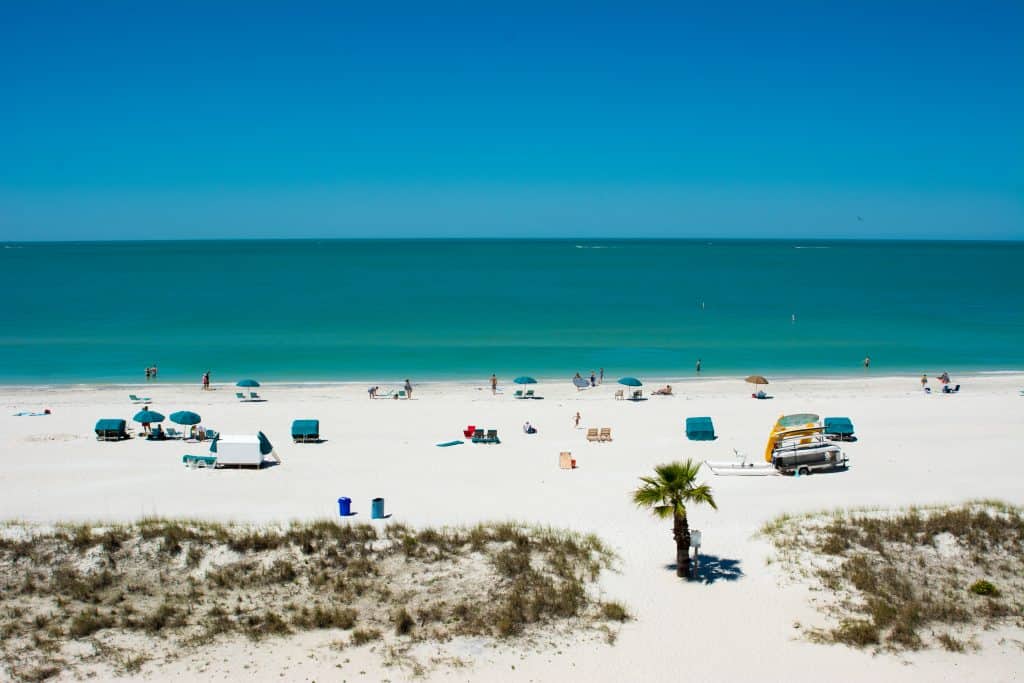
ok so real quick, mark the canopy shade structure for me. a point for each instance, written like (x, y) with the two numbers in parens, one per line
(630, 382)
(148, 416)
(247, 383)
(305, 430)
(756, 379)
(186, 417)
(524, 380)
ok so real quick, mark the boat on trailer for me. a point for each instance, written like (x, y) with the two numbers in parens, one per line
(740, 467)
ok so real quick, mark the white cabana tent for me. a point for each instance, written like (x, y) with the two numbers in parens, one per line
(242, 449)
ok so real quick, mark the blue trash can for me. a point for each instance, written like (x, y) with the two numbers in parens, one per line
(377, 508)
(345, 507)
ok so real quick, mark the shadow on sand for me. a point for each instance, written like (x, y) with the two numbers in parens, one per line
(713, 569)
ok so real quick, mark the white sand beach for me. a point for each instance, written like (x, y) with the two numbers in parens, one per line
(737, 625)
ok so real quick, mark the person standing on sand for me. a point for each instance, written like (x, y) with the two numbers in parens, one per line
(494, 384)
(600, 377)
(698, 366)
(206, 381)
(924, 380)
(593, 379)
(408, 389)
(867, 362)
(576, 420)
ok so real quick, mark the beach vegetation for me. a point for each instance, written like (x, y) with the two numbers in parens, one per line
(895, 579)
(667, 493)
(136, 593)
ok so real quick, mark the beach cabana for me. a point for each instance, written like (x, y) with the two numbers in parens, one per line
(110, 429)
(306, 431)
(242, 450)
(700, 429)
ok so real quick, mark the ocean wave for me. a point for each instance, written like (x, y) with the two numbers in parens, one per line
(815, 247)
(594, 246)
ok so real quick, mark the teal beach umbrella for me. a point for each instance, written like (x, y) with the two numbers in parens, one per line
(631, 382)
(247, 383)
(524, 380)
(186, 417)
(148, 416)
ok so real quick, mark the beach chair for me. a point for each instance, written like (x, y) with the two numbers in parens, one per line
(199, 461)
(700, 429)
(478, 436)
(492, 436)
(240, 396)
(620, 394)
(401, 394)
(592, 434)
(566, 461)
(637, 395)
(173, 433)
(253, 396)
(518, 393)
(136, 399)
(110, 430)
(529, 394)
(606, 434)
(468, 431)
(212, 434)
(946, 389)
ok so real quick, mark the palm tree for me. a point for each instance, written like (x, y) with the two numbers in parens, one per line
(667, 493)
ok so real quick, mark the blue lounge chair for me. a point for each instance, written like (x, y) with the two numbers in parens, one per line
(253, 396)
(306, 431)
(700, 429)
(194, 461)
(839, 426)
(111, 430)
(136, 399)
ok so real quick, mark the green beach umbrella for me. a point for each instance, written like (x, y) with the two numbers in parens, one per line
(148, 416)
(524, 380)
(247, 383)
(630, 382)
(186, 417)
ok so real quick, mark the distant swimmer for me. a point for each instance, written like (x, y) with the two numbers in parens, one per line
(698, 365)
(867, 362)
(793, 318)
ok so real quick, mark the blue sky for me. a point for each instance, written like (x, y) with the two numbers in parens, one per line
(157, 120)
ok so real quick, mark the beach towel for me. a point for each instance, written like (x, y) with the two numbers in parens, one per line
(446, 444)
(25, 414)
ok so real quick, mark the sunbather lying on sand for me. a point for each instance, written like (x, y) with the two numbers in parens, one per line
(667, 391)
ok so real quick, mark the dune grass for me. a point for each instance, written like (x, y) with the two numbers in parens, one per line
(909, 579)
(146, 591)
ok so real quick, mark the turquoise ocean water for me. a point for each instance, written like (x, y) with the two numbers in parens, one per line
(311, 310)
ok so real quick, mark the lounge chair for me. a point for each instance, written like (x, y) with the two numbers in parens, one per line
(211, 434)
(136, 399)
(839, 426)
(478, 435)
(306, 431)
(401, 394)
(566, 461)
(593, 435)
(201, 461)
(468, 431)
(253, 396)
(529, 394)
(240, 396)
(111, 430)
(700, 429)
(492, 436)
(947, 390)
(606, 434)
(518, 393)
(638, 395)
(386, 394)
(620, 394)
(173, 433)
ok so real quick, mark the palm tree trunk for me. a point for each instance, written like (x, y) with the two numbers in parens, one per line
(681, 533)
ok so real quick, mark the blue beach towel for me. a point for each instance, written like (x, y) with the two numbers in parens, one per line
(446, 444)
(24, 414)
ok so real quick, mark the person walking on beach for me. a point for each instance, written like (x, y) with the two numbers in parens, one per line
(494, 384)
(698, 366)
(593, 379)
(600, 377)
(206, 381)
(408, 389)
(576, 420)
(924, 381)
